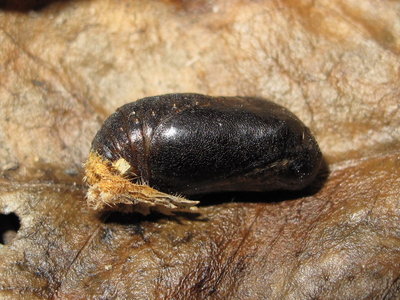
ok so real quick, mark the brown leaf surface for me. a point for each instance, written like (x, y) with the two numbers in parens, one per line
(66, 66)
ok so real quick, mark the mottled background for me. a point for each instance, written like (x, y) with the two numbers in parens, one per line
(66, 65)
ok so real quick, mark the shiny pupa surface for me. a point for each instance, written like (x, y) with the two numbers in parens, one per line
(157, 151)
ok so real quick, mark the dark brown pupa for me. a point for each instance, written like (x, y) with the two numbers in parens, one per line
(152, 153)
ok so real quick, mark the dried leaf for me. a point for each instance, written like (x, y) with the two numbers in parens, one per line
(66, 66)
